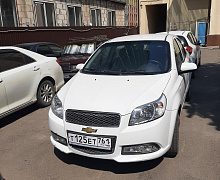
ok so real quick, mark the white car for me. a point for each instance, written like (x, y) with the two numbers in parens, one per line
(125, 102)
(25, 78)
(191, 44)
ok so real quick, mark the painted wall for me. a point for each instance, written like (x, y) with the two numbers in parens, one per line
(181, 14)
(215, 18)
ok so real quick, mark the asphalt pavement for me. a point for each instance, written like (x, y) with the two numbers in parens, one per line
(26, 152)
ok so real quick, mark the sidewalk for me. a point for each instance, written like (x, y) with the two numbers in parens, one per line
(210, 54)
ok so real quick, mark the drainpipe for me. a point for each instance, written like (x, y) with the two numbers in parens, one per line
(208, 20)
(138, 16)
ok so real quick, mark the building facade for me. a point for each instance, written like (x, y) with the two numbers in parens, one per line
(192, 15)
(50, 13)
(213, 38)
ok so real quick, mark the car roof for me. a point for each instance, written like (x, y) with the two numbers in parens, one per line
(83, 40)
(153, 37)
(34, 43)
(178, 32)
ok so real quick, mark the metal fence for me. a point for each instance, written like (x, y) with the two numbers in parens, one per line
(60, 35)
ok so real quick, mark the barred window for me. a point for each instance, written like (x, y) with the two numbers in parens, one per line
(44, 14)
(75, 16)
(8, 16)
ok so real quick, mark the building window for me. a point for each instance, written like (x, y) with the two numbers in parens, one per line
(75, 16)
(8, 15)
(111, 18)
(44, 14)
(95, 17)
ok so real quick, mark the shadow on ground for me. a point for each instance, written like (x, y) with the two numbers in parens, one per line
(17, 115)
(205, 94)
(107, 165)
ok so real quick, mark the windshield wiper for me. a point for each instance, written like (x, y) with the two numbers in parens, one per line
(91, 70)
(143, 72)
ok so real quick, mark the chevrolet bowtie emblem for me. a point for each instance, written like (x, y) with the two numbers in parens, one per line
(89, 130)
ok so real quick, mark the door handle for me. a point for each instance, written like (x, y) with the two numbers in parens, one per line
(1, 80)
(36, 68)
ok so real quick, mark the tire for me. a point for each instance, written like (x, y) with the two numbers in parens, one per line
(188, 95)
(45, 93)
(193, 75)
(199, 64)
(173, 151)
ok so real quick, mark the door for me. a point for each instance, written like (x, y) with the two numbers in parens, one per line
(21, 77)
(156, 17)
(201, 32)
(3, 97)
(183, 79)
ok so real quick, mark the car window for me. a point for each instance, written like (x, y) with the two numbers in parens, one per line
(44, 50)
(56, 49)
(194, 38)
(190, 38)
(135, 57)
(181, 48)
(178, 55)
(79, 49)
(183, 41)
(10, 59)
(28, 59)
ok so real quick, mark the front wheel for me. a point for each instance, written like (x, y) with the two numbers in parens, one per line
(45, 93)
(173, 151)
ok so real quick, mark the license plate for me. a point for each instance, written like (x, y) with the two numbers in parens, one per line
(89, 141)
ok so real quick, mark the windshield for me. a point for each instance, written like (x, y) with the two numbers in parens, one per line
(135, 57)
(79, 49)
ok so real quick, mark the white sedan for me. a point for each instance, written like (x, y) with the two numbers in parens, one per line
(25, 78)
(124, 104)
(191, 44)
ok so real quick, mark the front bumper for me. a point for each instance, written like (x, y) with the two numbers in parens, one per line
(159, 131)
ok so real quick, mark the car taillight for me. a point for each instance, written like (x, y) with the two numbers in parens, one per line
(189, 49)
(58, 61)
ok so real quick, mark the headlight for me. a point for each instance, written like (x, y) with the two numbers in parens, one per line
(73, 67)
(56, 107)
(148, 112)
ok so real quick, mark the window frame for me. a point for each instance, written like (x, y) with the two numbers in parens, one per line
(44, 15)
(75, 17)
(96, 17)
(113, 21)
(15, 16)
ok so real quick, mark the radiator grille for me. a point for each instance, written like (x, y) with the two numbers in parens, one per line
(66, 67)
(90, 118)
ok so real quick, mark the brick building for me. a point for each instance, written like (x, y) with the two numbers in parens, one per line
(49, 13)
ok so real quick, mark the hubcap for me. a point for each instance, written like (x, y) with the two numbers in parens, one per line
(46, 93)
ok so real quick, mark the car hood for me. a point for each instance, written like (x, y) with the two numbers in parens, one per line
(74, 59)
(119, 94)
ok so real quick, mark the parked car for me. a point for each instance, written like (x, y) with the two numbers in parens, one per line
(125, 102)
(78, 51)
(44, 48)
(25, 78)
(191, 44)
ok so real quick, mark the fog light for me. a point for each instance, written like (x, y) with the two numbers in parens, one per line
(59, 139)
(140, 149)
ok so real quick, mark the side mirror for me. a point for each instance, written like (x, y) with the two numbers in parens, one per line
(188, 67)
(199, 42)
(79, 66)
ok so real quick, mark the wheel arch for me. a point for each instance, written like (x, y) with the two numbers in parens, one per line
(49, 79)
(44, 79)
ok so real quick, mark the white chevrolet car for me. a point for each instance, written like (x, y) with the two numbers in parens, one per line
(25, 78)
(124, 103)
